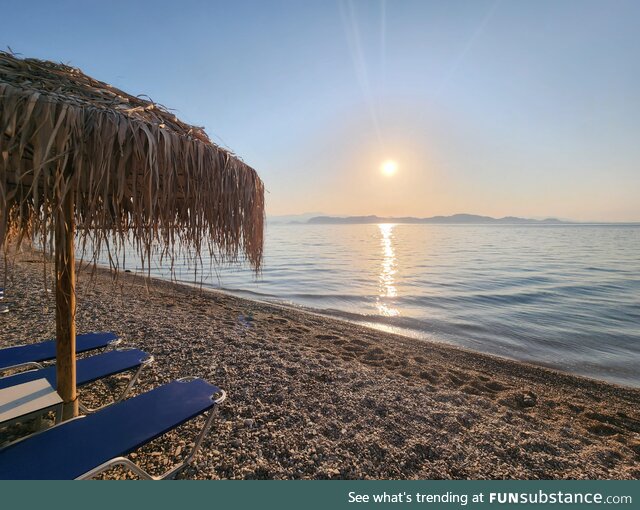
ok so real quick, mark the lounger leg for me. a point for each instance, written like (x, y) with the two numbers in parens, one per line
(123, 461)
(175, 470)
(86, 410)
(58, 414)
(118, 461)
(132, 383)
(133, 467)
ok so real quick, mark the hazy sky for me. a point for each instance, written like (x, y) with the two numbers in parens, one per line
(530, 108)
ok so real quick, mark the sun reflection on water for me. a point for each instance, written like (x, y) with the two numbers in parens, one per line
(387, 290)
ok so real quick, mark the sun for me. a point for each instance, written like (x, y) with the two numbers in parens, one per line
(389, 168)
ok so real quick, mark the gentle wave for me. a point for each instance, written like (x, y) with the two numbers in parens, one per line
(567, 297)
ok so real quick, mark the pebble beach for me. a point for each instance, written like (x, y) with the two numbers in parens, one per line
(311, 397)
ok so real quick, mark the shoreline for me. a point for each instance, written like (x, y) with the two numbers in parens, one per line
(371, 325)
(312, 396)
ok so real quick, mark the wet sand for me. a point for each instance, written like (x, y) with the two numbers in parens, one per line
(313, 397)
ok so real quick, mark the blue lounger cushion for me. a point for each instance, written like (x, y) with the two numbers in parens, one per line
(72, 449)
(88, 370)
(43, 351)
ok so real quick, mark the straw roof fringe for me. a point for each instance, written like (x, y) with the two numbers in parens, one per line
(135, 169)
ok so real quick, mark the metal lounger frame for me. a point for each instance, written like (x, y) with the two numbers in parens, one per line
(171, 473)
(143, 363)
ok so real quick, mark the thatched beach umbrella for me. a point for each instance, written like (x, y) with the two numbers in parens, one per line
(80, 158)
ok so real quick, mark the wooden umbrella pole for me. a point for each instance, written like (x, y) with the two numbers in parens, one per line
(66, 304)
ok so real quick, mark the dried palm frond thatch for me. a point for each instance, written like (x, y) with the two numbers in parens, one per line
(136, 172)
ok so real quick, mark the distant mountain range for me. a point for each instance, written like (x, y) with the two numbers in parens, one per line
(293, 218)
(456, 218)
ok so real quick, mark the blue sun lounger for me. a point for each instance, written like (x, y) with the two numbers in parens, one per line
(33, 354)
(87, 446)
(89, 370)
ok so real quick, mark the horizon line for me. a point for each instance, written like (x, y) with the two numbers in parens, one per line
(310, 215)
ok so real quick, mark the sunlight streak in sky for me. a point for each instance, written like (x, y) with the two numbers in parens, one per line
(457, 62)
(352, 32)
(383, 42)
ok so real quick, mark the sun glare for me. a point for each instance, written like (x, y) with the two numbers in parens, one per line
(389, 167)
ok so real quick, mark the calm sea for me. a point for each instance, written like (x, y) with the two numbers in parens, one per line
(566, 297)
